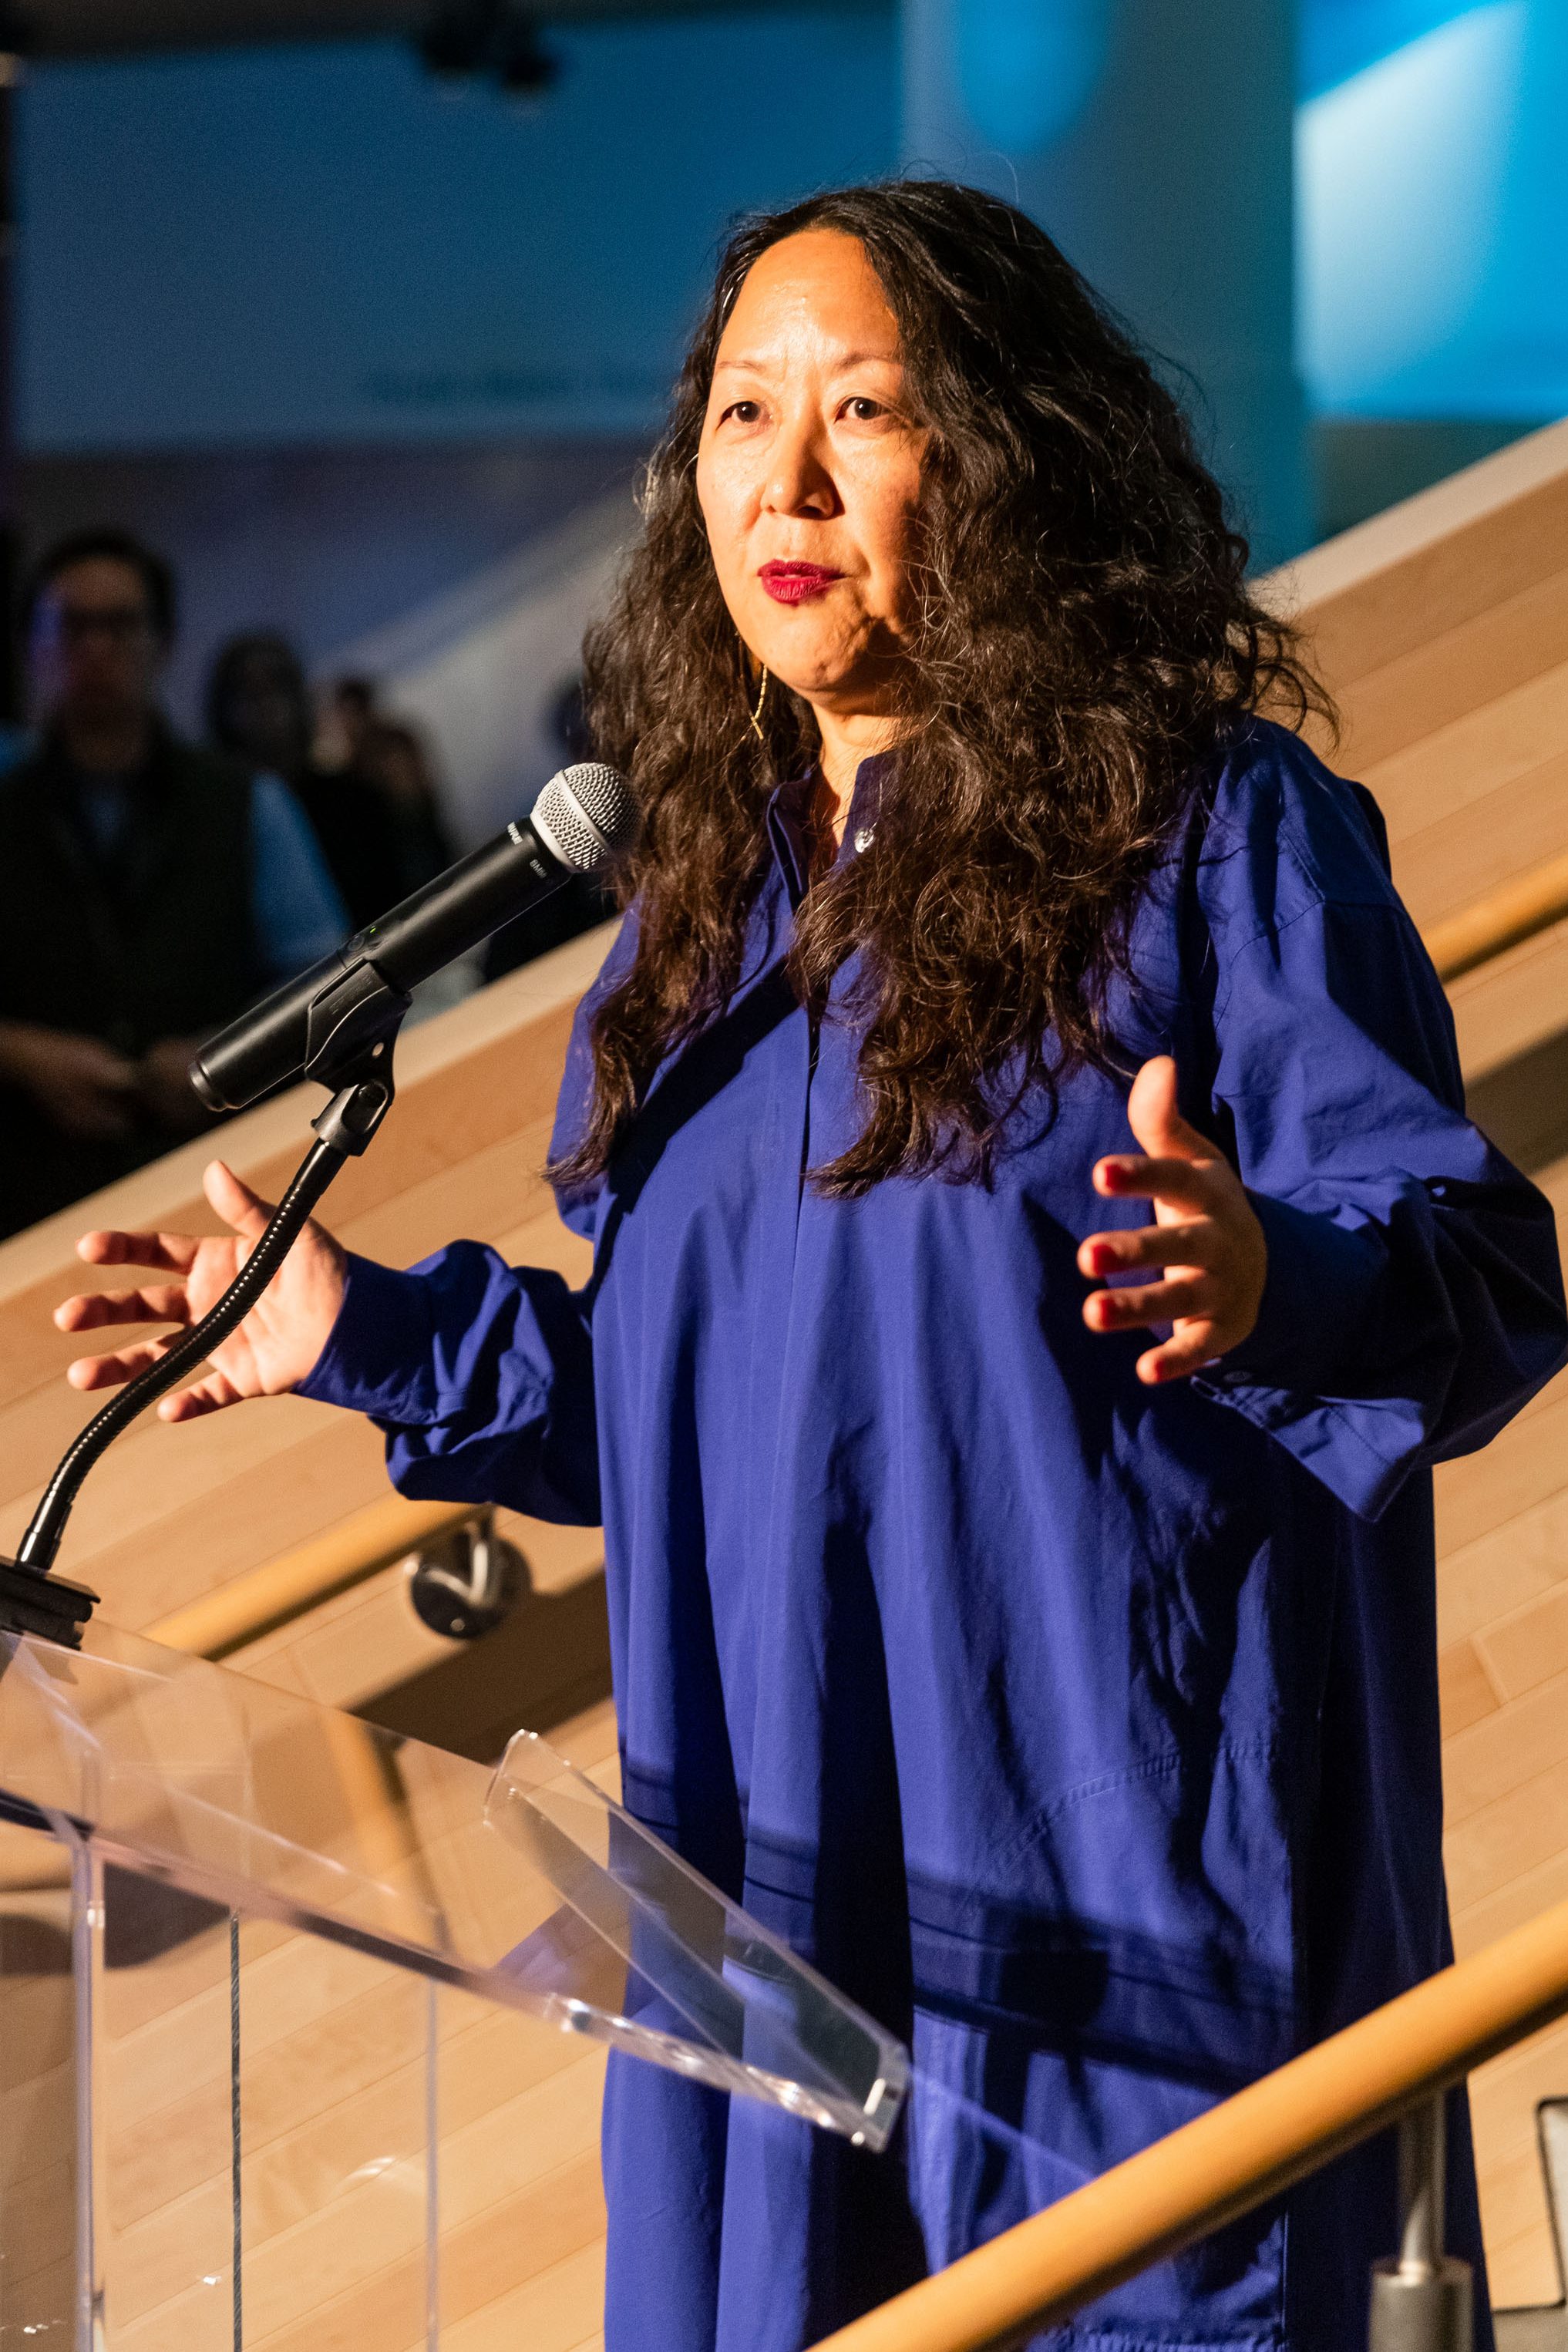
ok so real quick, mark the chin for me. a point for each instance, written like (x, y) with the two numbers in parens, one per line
(826, 686)
(809, 669)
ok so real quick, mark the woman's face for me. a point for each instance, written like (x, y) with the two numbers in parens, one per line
(808, 471)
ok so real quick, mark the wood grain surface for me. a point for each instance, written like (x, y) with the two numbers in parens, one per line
(1442, 628)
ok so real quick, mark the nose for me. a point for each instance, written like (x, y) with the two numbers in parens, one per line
(799, 481)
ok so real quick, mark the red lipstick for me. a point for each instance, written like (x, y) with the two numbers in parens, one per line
(792, 584)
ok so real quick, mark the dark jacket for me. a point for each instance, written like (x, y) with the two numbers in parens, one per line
(156, 941)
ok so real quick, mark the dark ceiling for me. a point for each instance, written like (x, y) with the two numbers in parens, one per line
(62, 28)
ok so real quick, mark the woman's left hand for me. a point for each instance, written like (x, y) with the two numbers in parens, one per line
(1204, 1238)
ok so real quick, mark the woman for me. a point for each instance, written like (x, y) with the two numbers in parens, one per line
(1068, 1696)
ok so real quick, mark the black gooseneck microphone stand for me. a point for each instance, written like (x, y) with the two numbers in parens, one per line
(355, 1061)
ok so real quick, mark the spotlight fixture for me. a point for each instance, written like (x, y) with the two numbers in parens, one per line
(524, 66)
(458, 37)
(492, 39)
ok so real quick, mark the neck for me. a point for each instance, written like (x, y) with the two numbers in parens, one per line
(847, 738)
(110, 745)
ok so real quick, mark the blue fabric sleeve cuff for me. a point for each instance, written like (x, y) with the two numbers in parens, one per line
(378, 1356)
(1321, 1287)
(1289, 1374)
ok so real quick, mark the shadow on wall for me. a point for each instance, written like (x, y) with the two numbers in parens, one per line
(482, 667)
(1362, 464)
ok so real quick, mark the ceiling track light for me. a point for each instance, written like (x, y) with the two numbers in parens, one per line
(524, 66)
(495, 40)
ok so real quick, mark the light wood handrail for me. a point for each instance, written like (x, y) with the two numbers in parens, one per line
(1238, 2155)
(357, 1549)
(1521, 908)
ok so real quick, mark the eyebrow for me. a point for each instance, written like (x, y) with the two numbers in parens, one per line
(850, 359)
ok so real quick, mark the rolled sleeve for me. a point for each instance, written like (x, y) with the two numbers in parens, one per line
(379, 1357)
(480, 1375)
(1413, 1301)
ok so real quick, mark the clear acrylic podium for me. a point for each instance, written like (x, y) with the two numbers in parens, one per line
(302, 2023)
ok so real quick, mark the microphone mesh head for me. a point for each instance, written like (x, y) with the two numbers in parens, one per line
(587, 815)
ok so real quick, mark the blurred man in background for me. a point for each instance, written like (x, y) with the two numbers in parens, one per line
(148, 888)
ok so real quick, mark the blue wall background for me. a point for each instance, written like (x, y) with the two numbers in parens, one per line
(320, 245)
(1432, 208)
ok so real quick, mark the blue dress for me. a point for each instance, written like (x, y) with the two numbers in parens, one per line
(1086, 1734)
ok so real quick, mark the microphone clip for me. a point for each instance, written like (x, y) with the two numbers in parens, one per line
(351, 1030)
(355, 1017)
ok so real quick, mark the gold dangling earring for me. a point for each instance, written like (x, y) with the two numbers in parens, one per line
(756, 716)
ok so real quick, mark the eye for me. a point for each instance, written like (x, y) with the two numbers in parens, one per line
(744, 411)
(864, 410)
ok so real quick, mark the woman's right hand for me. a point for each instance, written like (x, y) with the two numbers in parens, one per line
(279, 1340)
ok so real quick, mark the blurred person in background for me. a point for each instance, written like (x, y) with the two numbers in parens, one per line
(361, 743)
(582, 902)
(345, 720)
(395, 762)
(259, 711)
(149, 889)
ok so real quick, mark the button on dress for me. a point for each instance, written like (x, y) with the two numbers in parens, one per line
(1086, 1734)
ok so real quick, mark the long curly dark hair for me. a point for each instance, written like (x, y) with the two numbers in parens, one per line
(1081, 633)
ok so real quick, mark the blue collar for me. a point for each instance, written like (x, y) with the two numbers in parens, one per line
(787, 826)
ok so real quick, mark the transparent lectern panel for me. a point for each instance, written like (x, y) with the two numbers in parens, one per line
(37, 2092)
(693, 1981)
(526, 1888)
(520, 2244)
(214, 2131)
(154, 2049)
(339, 2170)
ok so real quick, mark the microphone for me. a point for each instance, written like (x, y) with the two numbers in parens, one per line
(584, 817)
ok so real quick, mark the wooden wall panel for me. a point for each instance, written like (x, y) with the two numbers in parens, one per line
(1436, 562)
(1442, 628)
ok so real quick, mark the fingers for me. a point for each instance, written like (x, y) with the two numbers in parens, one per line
(1179, 1295)
(161, 1252)
(245, 1211)
(1153, 1115)
(108, 1372)
(1213, 1261)
(1184, 1183)
(1114, 1253)
(235, 1202)
(210, 1395)
(1189, 1348)
(164, 1303)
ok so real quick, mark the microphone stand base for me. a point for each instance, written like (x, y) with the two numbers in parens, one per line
(47, 1606)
